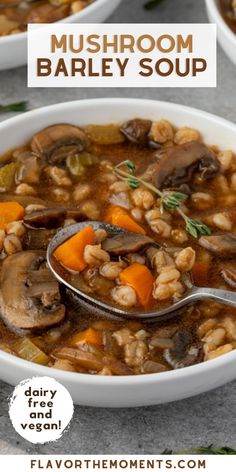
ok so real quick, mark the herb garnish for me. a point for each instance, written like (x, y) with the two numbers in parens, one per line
(218, 450)
(151, 4)
(205, 450)
(19, 106)
(169, 200)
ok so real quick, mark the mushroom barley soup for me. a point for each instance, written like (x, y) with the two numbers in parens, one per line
(175, 197)
(228, 10)
(16, 14)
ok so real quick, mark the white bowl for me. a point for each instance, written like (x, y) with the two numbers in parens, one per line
(13, 48)
(136, 390)
(226, 37)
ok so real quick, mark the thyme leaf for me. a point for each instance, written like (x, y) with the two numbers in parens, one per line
(195, 226)
(174, 199)
(133, 182)
(125, 171)
(167, 451)
(204, 450)
(19, 107)
(130, 166)
(219, 450)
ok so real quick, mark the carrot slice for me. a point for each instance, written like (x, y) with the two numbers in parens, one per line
(140, 278)
(119, 217)
(200, 272)
(89, 336)
(10, 211)
(71, 253)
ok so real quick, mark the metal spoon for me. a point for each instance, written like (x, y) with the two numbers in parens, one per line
(192, 294)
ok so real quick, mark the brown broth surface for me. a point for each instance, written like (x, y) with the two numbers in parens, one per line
(228, 14)
(78, 319)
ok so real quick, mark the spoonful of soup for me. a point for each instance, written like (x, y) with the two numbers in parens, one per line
(126, 274)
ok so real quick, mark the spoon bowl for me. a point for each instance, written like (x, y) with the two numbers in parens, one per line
(191, 295)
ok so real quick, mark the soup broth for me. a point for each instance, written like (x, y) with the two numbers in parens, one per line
(174, 196)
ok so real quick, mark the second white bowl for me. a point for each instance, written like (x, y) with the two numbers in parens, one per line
(13, 48)
(226, 37)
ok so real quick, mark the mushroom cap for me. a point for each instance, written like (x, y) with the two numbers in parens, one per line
(29, 295)
(126, 242)
(177, 165)
(221, 244)
(52, 217)
(92, 361)
(56, 142)
(228, 273)
(186, 350)
(136, 131)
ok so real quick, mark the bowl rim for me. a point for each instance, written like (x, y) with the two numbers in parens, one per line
(213, 7)
(130, 380)
(68, 19)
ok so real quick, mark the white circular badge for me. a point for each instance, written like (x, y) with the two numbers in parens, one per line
(40, 409)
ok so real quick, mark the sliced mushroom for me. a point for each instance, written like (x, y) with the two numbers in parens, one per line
(177, 165)
(221, 244)
(94, 362)
(57, 142)
(20, 154)
(185, 352)
(52, 217)
(47, 218)
(29, 296)
(76, 214)
(125, 243)
(29, 171)
(121, 200)
(24, 200)
(38, 239)
(229, 276)
(152, 367)
(136, 131)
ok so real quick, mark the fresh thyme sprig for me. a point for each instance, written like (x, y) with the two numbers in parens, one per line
(218, 450)
(195, 226)
(169, 200)
(173, 201)
(204, 450)
(10, 107)
(151, 4)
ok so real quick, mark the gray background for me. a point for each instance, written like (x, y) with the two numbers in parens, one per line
(206, 419)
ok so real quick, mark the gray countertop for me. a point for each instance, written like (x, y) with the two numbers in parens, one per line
(206, 419)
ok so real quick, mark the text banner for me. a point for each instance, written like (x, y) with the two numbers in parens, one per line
(129, 463)
(122, 55)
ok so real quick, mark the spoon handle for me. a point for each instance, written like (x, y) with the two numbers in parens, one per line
(221, 295)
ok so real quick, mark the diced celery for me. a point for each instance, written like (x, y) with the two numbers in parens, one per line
(7, 175)
(26, 349)
(104, 134)
(75, 165)
(86, 159)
